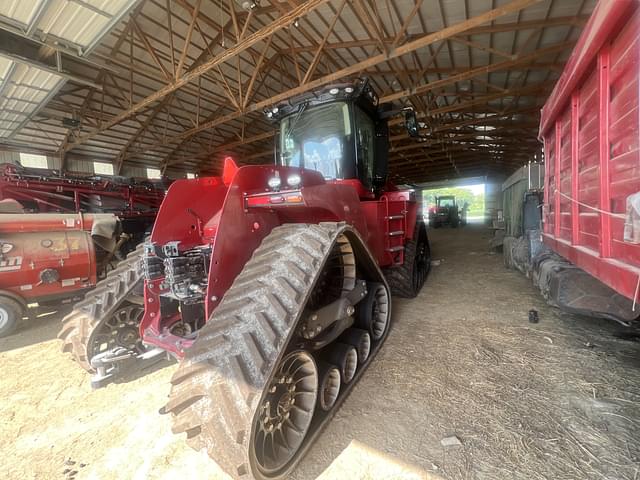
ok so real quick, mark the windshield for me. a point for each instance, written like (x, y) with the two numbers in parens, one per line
(446, 202)
(316, 138)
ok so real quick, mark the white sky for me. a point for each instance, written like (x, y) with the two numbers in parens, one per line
(475, 189)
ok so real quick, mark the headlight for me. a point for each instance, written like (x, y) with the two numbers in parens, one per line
(334, 91)
(294, 180)
(5, 247)
(274, 183)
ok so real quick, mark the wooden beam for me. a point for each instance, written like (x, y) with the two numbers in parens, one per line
(535, 90)
(256, 71)
(578, 21)
(399, 36)
(409, 47)
(282, 22)
(170, 32)
(316, 56)
(522, 60)
(187, 40)
(482, 47)
(150, 49)
(143, 127)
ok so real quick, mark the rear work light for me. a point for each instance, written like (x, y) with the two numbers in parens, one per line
(274, 199)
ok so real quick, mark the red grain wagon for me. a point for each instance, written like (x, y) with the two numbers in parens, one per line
(590, 129)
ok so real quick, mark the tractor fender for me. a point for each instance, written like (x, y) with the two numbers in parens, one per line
(14, 296)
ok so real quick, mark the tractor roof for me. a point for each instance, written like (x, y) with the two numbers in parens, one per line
(358, 90)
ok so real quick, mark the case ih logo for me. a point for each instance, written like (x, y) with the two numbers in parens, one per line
(10, 263)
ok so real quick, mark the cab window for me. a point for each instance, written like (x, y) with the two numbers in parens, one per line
(365, 139)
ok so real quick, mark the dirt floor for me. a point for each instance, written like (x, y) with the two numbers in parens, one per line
(559, 399)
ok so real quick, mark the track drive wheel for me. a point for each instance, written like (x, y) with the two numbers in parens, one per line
(108, 316)
(252, 390)
(406, 280)
(10, 314)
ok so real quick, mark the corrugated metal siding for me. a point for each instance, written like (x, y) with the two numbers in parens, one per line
(77, 23)
(19, 10)
(25, 89)
(492, 196)
(86, 166)
(9, 157)
(132, 171)
(79, 166)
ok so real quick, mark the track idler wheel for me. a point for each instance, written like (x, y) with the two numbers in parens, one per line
(373, 312)
(360, 339)
(285, 414)
(329, 386)
(345, 357)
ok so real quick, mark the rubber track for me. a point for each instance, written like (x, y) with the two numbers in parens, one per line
(98, 305)
(218, 387)
(399, 277)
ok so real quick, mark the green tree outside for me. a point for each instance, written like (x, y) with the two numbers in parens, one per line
(462, 194)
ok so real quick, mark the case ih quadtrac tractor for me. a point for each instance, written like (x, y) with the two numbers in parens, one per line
(272, 284)
(59, 234)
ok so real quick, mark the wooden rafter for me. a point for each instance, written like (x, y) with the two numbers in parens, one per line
(186, 98)
(226, 55)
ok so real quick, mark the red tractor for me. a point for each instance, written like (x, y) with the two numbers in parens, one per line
(446, 212)
(272, 284)
(60, 234)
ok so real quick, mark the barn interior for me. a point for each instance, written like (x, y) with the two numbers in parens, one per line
(466, 386)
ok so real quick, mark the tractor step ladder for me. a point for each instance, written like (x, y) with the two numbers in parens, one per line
(395, 220)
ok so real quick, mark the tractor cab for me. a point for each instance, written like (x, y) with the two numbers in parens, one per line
(445, 202)
(341, 132)
(445, 212)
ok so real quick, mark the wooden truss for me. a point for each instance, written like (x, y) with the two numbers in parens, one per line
(185, 82)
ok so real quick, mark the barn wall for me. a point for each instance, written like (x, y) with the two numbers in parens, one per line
(79, 165)
(9, 157)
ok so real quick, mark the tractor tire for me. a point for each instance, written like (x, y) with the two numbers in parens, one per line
(407, 279)
(10, 314)
(109, 301)
(224, 391)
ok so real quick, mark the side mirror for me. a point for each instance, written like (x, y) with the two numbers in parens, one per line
(411, 123)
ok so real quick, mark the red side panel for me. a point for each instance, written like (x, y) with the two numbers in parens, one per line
(591, 132)
(29, 258)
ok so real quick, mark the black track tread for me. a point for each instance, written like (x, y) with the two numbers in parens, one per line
(218, 387)
(98, 305)
(400, 278)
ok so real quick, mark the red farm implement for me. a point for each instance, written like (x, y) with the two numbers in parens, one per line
(60, 234)
(591, 133)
